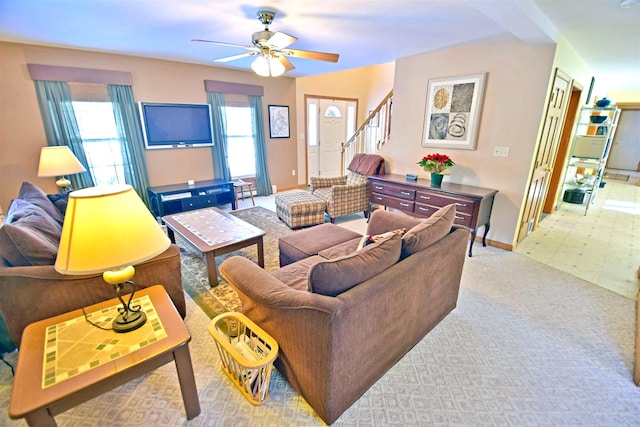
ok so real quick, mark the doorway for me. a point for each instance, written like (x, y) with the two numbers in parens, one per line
(330, 122)
(564, 148)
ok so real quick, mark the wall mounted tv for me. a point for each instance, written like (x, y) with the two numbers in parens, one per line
(167, 125)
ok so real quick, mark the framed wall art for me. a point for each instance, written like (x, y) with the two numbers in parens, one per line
(452, 112)
(278, 121)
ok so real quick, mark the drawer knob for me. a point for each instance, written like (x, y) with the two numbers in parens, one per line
(460, 204)
(425, 197)
(378, 187)
(459, 217)
(406, 193)
(378, 198)
(404, 205)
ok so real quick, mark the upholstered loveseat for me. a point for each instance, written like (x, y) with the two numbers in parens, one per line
(344, 316)
(31, 289)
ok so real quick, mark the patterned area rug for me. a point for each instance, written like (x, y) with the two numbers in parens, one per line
(222, 298)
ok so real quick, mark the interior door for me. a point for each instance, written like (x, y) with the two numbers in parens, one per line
(545, 156)
(333, 130)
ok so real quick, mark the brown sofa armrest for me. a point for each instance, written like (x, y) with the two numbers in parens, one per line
(319, 182)
(29, 294)
(260, 286)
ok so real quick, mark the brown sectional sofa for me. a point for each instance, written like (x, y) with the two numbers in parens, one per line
(31, 289)
(343, 317)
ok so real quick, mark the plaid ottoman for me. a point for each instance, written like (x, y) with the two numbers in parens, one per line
(299, 208)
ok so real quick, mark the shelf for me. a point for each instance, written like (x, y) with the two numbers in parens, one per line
(590, 149)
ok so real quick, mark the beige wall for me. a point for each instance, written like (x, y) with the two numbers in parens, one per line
(515, 92)
(22, 133)
(369, 85)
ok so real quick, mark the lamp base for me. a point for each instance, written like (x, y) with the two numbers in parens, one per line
(129, 321)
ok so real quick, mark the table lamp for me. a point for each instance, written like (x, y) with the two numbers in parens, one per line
(106, 230)
(59, 161)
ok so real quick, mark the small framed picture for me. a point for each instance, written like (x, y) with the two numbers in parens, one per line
(278, 121)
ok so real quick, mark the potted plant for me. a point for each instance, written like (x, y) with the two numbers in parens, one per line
(438, 165)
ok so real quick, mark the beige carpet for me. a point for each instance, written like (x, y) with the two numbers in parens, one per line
(527, 345)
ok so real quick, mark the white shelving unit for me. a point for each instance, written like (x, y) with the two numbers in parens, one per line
(595, 131)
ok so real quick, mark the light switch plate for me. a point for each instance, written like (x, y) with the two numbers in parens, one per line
(500, 151)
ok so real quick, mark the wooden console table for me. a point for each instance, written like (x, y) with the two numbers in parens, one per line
(420, 198)
(169, 199)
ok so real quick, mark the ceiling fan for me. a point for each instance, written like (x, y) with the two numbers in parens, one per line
(271, 49)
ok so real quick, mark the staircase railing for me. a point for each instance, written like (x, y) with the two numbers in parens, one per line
(371, 135)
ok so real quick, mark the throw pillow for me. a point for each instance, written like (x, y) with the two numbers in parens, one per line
(368, 239)
(60, 200)
(35, 195)
(429, 231)
(333, 277)
(29, 237)
(354, 178)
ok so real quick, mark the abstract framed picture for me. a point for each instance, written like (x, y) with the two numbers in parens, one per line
(452, 112)
(278, 121)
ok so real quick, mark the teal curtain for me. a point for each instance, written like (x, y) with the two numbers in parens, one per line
(219, 150)
(60, 125)
(263, 182)
(131, 139)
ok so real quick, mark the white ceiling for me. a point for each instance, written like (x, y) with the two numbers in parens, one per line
(363, 33)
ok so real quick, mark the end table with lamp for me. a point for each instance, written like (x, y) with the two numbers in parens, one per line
(106, 229)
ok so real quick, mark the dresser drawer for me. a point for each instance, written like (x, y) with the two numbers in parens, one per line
(392, 202)
(198, 202)
(463, 219)
(393, 190)
(434, 199)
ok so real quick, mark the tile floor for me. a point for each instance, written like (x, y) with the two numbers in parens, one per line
(603, 246)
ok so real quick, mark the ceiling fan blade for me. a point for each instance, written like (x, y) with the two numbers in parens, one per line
(307, 54)
(225, 44)
(234, 57)
(281, 40)
(288, 66)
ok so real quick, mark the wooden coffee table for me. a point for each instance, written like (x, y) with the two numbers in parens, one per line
(214, 232)
(64, 361)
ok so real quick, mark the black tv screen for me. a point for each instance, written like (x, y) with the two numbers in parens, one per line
(167, 125)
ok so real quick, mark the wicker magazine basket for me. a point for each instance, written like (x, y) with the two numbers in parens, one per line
(247, 353)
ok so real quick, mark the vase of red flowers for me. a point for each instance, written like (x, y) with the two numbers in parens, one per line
(438, 165)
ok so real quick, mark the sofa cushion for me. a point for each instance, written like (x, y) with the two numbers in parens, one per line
(29, 237)
(296, 275)
(429, 231)
(341, 249)
(35, 195)
(333, 277)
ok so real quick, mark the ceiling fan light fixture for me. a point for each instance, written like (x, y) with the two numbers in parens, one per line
(277, 69)
(267, 66)
(261, 66)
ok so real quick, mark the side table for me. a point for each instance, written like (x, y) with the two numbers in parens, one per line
(47, 384)
(239, 188)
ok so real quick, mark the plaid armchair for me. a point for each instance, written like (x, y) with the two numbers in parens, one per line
(343, 195)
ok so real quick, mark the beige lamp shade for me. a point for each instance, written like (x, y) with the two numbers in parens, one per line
(58, 161)
(107, 228)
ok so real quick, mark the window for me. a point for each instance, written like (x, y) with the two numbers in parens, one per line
(333, 111)
(312, 121)
(100, 141)
(240, 144)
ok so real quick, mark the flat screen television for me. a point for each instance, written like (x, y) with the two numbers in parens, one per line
(166, 125)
